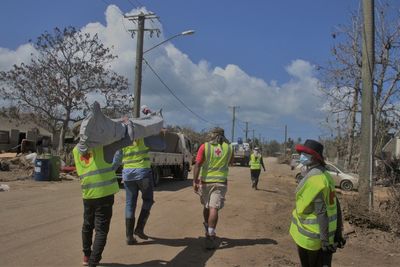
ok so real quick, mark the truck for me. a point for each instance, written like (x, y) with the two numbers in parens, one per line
(174, 161)
(241, 153)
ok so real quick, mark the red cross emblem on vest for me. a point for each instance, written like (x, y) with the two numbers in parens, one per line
(86, 158)
(218, 152)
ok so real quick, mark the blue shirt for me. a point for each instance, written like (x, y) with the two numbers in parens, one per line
(135, 174)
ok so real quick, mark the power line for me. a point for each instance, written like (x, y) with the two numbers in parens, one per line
(177, 98)
(129, 1)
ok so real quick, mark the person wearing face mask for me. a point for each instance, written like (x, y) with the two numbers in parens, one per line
(316, 226)
(256, 162)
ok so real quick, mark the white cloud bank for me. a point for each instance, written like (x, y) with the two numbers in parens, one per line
(207, 91)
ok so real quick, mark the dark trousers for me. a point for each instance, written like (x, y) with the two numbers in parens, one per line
(314, 258)
(97, 215)
(132, 188)
(255, 174)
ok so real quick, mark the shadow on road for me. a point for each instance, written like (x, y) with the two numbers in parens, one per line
(169, 184)
(193, 254)
(266, 190)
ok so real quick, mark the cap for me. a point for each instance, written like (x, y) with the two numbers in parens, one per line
(217, 130)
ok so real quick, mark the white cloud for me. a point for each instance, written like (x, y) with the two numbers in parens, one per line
(9, 57)
(205, 90)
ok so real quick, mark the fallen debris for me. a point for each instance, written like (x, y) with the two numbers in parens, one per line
(4, 187)
(4, 166)
(8, 155)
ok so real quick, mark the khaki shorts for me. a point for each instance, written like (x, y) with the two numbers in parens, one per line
(213, 195)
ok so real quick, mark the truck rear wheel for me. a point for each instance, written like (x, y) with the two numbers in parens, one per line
(156, 176)
(182, 173)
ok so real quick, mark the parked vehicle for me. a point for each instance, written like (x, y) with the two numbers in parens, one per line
(346, 181)
(175, 160)
(241, 153)
(295, 160)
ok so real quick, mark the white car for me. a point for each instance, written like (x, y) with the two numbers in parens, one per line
(346, 181)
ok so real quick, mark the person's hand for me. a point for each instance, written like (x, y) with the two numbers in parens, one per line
(340, 241)
(125, 119)
(326, 247)
(196, 185)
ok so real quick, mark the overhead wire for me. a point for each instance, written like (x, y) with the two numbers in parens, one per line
(156, 74)
(176, 97)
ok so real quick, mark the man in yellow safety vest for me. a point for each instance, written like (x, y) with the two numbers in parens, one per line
(211, 165)
(256, 162)
(99, 184)
(316, 225)
(137, 175)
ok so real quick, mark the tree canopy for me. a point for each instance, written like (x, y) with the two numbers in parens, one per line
(68, 70)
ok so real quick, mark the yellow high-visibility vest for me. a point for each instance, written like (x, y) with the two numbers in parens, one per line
(215, 167)
(255, 162)
(97, 177)
(304, 227)
(136, 155)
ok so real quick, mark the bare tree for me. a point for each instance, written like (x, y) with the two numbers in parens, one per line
(67, 70)
(341, 78)
(341, 82)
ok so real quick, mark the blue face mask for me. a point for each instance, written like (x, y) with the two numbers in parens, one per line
(305, 159)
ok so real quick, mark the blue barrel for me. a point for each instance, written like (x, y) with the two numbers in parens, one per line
(42, 170)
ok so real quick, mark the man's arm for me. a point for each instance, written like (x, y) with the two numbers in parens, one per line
(232, 157)
(262, 163)
(197, 166)
(117, 160)
(322, 219)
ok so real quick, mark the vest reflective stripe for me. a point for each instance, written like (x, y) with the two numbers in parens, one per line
(96, 175)
(136, 156)
(223, 169)
(314, 221)
(215, 168)
(105, 170)
(304, 228)
(310, 234)
(135, 161)
(137, 153)
(99, 184)
(255, 162)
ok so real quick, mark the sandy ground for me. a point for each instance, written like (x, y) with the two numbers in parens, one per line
(40, 225)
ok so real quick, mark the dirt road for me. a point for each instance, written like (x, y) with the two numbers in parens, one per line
(40, 225)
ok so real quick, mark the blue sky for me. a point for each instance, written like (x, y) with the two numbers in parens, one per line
(259, 55)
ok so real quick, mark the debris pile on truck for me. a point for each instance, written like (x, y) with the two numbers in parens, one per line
(173, 161)
(241, 152)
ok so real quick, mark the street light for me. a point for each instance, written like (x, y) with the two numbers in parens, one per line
(189, 32)
(139, 61)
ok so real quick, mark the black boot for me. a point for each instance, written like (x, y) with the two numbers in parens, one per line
(129, 225)
(144, 215)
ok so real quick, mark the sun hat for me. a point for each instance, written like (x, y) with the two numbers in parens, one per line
(313, 148)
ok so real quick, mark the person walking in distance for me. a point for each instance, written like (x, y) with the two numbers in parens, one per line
(256, 162)
(316, 226)
(99, 184)
(211, 165)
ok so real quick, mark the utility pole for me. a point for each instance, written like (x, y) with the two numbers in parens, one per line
(367, 116)
(140, 20)
(253, 136)
(233, 122)
(247, 130)
(284, 145)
